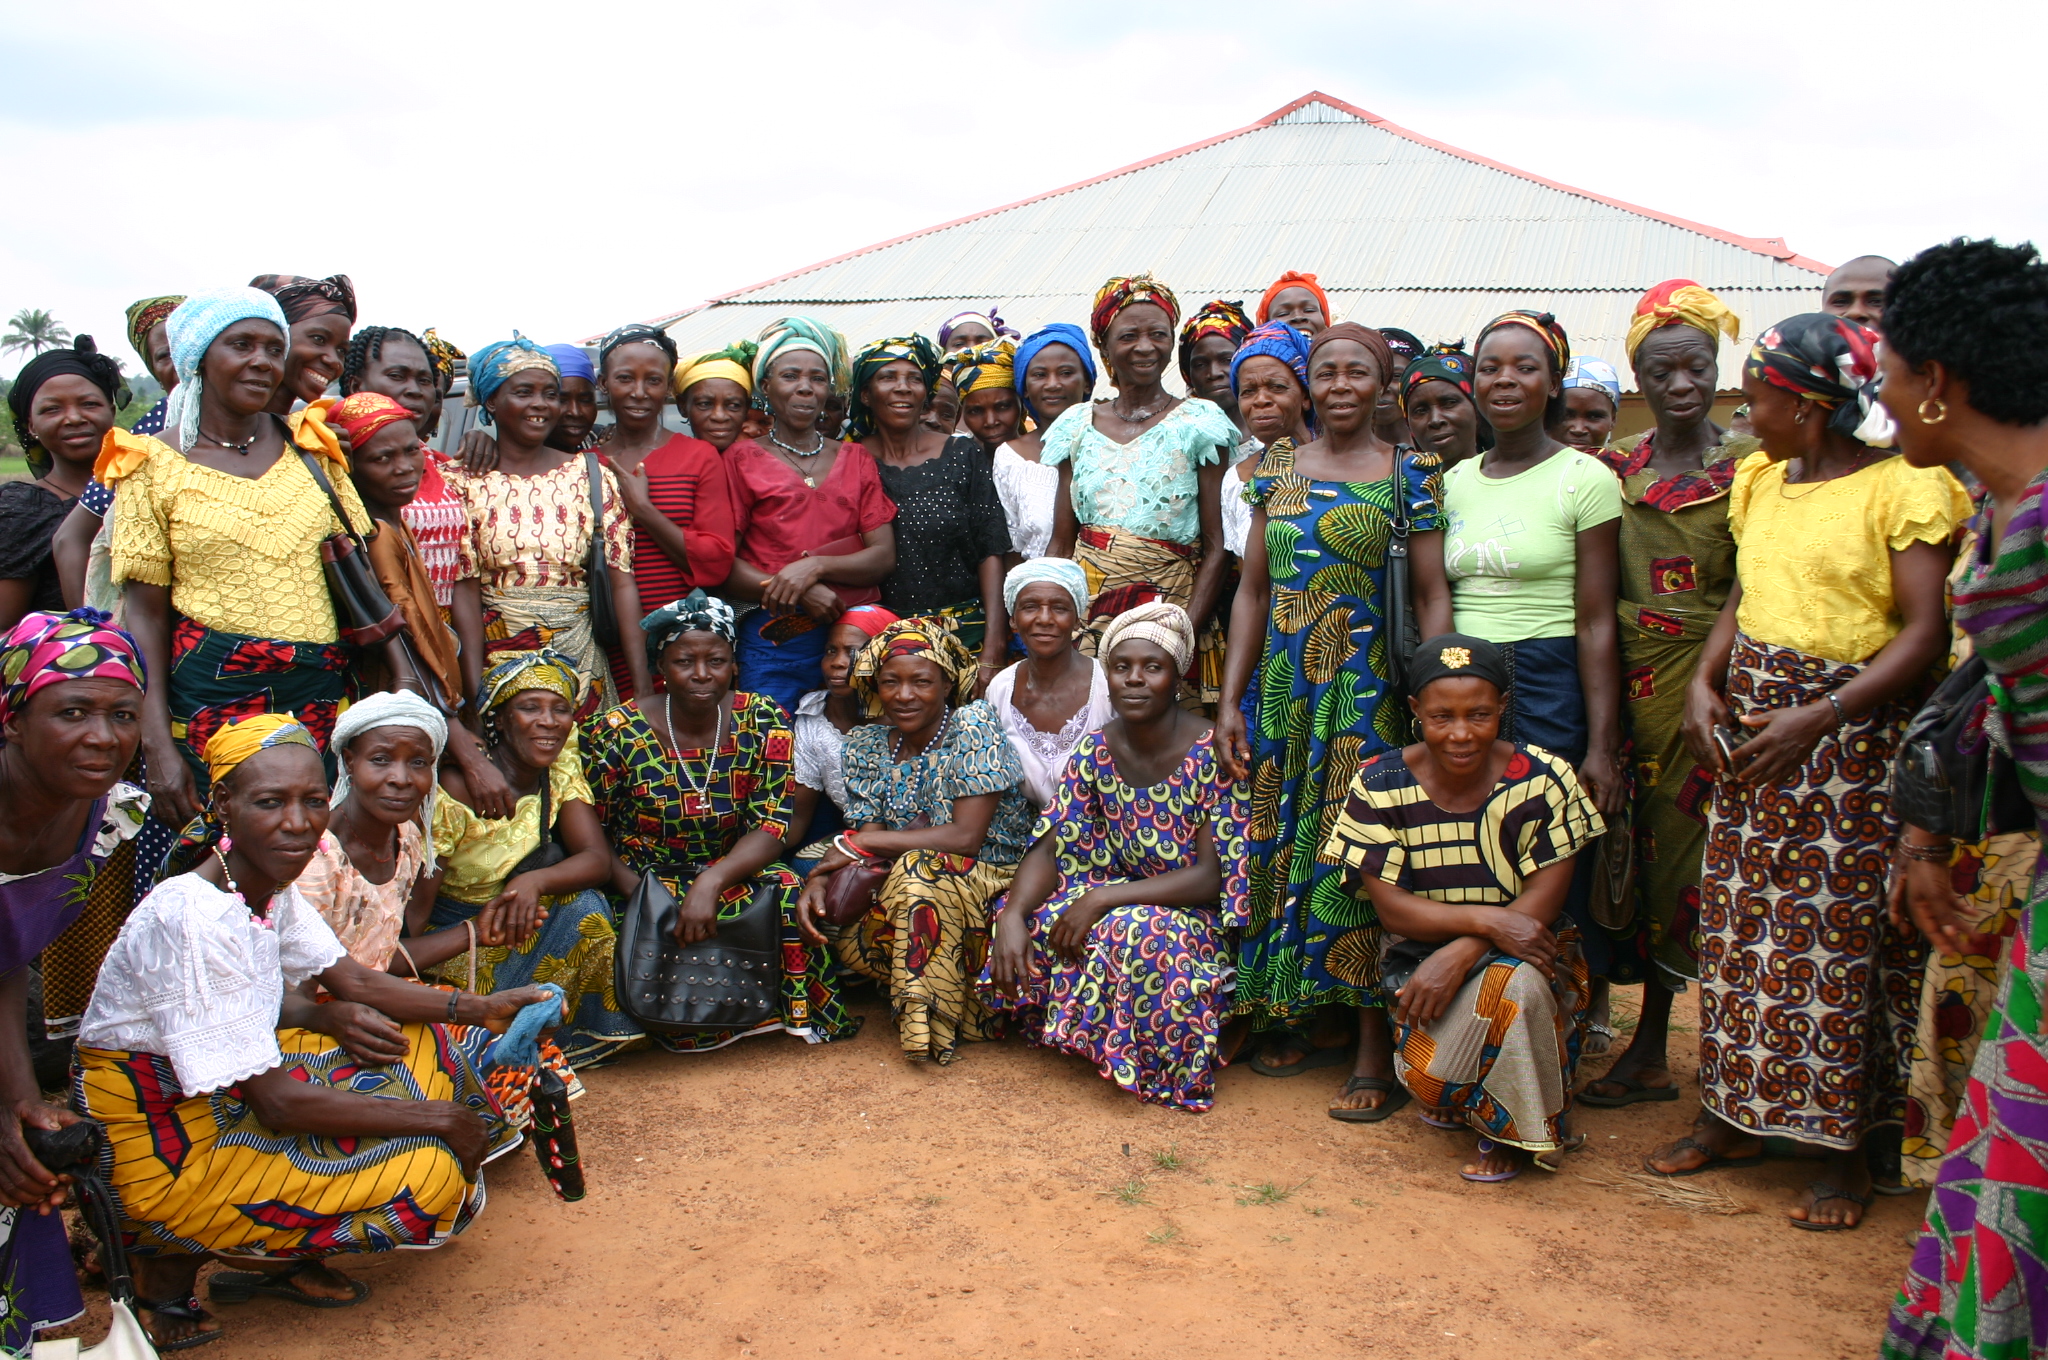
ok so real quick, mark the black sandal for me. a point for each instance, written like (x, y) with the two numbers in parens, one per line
(239, 1286)
(1633, 1092)
(1822, 1193)
(1715, 1161)
(1397, 1099)
(187, 1311)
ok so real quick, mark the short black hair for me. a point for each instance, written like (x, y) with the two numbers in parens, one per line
(366, 347)
(1980, 309)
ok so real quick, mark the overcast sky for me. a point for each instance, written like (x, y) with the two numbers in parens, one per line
(562, 168)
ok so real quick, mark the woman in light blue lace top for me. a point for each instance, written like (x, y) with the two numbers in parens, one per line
(1139, 501)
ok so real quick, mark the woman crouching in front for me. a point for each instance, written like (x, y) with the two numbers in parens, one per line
(1465, 844)
(236, 1125)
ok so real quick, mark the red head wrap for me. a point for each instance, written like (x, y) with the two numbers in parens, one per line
(362, 414)
(1293, 280)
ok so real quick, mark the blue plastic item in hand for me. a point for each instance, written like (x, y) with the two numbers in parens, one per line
(519, 1045)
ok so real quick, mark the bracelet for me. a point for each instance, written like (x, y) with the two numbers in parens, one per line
(1928, 854)
(1840, 716)
(453, 998)
(845, 844)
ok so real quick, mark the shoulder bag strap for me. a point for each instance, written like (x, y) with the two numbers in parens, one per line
(596, 474)
(348, 527)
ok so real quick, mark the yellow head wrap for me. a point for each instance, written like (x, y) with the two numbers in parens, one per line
(229, 746)
(1681, 302)
(734, 362)
(516, 672)
(983, 367)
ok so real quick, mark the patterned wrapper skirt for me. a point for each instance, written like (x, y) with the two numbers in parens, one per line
(1124, 571)
(1808, 994)
(572, 949)
(526, 618)
(219, 677)
(1144, 1003)
(927, 941)
(1502, 1055)
(195, 1174)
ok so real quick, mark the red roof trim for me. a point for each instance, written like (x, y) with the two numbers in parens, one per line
(1768, 245)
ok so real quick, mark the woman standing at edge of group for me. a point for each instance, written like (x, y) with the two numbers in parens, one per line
(1309, 631)
(1820, 655)
(673, 485)
(63, 403)
(1677, 567)
(814, 532)
(1965, 369)
(1298, 300)
(1141, 477)
(1052, 371)
(1055, 696)
(1444, 419)
(714, 392)
(950, 530)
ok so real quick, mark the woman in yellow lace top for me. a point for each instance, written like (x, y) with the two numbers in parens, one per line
(216, 544)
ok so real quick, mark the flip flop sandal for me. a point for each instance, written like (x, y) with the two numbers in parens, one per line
(1571, 1144)
(1822, 1193)
(1397, 1098)
(1714, 1162)
(1426, 1117)
(1317, 1057)
(1634, 1092)
(1486, 1146)
(239, 1286)
(187, 1311)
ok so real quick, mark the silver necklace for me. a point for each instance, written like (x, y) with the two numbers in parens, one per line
(1139, 417)
(696, 796)
(810, 478)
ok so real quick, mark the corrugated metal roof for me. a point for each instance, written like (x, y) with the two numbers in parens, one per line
(1401, 230)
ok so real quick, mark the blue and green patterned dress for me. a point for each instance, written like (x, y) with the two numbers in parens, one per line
(1318, 709)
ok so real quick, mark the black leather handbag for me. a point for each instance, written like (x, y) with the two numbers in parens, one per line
(731, 981)
(1402, 634)
(363, 613)
(550, 851)
(597, 573)
(1949, 777)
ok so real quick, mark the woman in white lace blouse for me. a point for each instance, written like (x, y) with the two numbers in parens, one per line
(1053, 371)
(1055, 696)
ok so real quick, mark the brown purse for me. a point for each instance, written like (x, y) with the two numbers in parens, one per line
(851, 891)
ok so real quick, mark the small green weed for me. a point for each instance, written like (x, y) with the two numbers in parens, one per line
(1168, 1158)
(1130, 1192)
(1159, 1237)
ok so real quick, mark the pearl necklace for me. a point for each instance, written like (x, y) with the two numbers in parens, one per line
(810, 479)
(235, 889)
(894, 812)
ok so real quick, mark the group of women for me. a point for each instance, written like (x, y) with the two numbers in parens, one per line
(1371, 707)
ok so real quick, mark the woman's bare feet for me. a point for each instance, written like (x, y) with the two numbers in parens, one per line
(1836, 1201)
(1712, 1142)
(1599, 1021)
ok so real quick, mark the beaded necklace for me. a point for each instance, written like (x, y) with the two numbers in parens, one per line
(894, 810)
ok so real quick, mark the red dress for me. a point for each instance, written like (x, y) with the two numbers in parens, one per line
(687, 483)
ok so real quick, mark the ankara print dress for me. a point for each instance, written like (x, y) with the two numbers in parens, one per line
(1322, 709)
(1146, 1001)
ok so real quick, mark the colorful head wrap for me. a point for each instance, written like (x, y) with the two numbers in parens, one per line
(235, 742)
(1458, 656)
(801, 332)
(1162, 623)
(45, 648)
(1597, 373)
(1544, 324)
(517, 672)
(694, 613)
(1404, 345)
(636, 333)
(735, 363)
(991, 318)
(872, 359)
(573, 361)
(1064, 572)
(1832, 362)
(444, 355)
(303, 298)
(1374, 342)
(983, 367)
(496, 362)
(361, 414)
(1441, 363)
(1274, 340)
(1293, 280)
(931, 638)
(82, 360)
(1123, 290)
(1058, 333)
(869, 618)
(1681, 302)
(145, 316)
(1226, 319)
(194, 325)
(391, 708)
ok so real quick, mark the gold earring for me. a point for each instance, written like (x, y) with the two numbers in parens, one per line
(1940, 411)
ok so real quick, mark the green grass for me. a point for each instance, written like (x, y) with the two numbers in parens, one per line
(1159, 1237)
(1168, 1158)
(1268, 1193)
(1130, 1192)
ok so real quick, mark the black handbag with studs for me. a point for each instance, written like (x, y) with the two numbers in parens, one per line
(731, 981)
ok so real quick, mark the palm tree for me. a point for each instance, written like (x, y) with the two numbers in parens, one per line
(34, 330)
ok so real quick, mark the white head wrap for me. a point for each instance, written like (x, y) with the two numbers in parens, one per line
(1059, 571)
(394, 708)
(1163, 624)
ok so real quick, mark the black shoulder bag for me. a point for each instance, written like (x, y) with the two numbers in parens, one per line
(604, 616)
(1950, 777)
(1399, 629)
(549, 852)
(362, 611)
(731, 981)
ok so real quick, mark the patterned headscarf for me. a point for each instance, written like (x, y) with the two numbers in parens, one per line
(1293, 280)
(1226, 319)
(801, 332)
(1123, 290)
(694, 613)
(361, 414)
(1587, 371)
(872, 359)
(1443, 363)
(1832, 362)
(496, 362)
(573, 361)
(1162, 623)
(636, 333)
(444, 355)
(517, 672)
(1404, 345)
(303, 298)
(145, 316)
(983, 367)
(1274, 340)
(46, 648)
(1681, 302)
(735, 362)
(235, 742)
(391, 708)
(1058, 333)
(1544, 324)
(1064, 572)
(194, 325)
(931, 638)
(1374, 342)
(991, 318)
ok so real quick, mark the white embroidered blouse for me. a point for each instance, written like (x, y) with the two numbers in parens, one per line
(1027, 491)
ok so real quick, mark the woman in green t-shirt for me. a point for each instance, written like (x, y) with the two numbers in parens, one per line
(1531, 546)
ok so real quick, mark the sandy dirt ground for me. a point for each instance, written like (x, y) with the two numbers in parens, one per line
(776, 1200)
